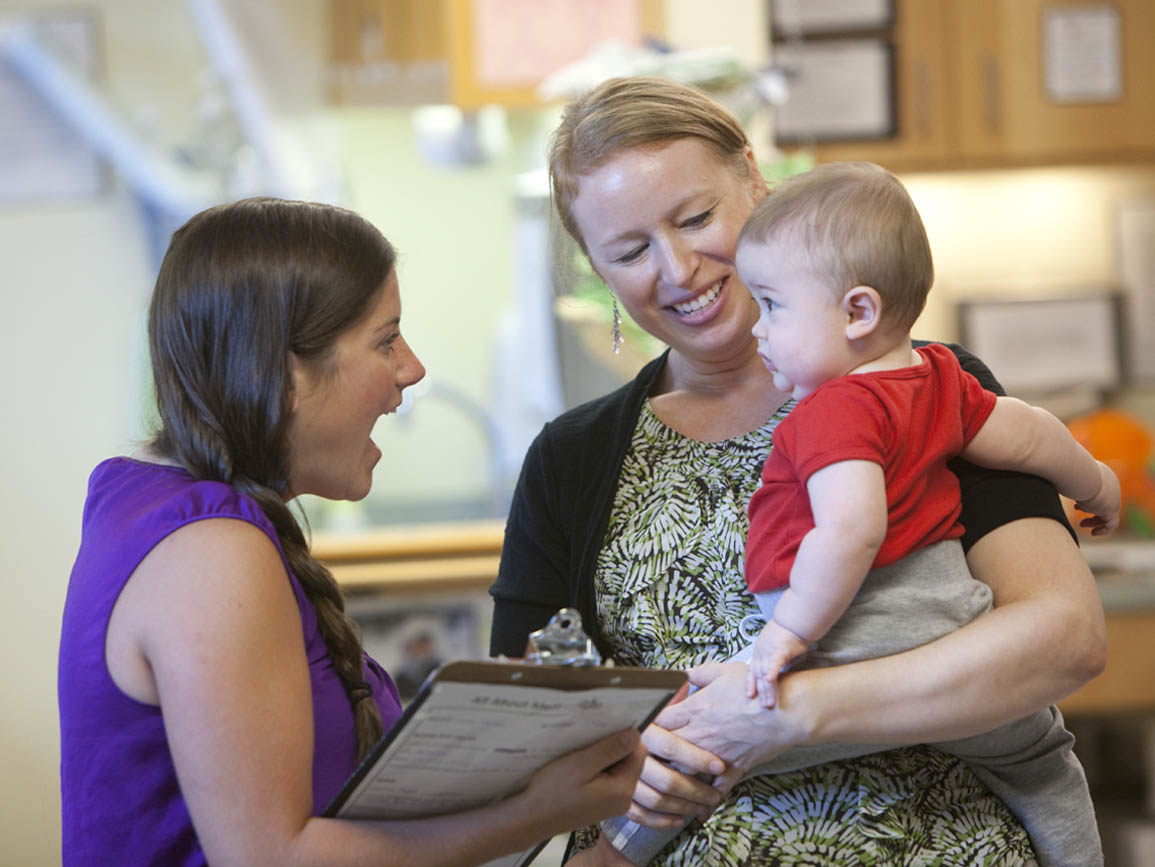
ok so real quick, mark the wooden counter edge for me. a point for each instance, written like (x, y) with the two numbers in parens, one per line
(1128, 683)
(418, 540)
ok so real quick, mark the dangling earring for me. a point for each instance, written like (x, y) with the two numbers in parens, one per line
(616, 330)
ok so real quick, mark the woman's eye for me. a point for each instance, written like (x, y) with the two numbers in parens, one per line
(632, 256)
(699, 219)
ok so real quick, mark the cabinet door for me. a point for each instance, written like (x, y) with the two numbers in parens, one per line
(501, 50)
(922, 88)
(471, 52)
(1007, 116)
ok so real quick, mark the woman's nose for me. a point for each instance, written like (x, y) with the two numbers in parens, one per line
(676, 262)
(412, 371)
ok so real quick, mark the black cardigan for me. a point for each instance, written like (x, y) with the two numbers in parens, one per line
(561, 507)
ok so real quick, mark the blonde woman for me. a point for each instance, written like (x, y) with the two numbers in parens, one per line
(632, 508)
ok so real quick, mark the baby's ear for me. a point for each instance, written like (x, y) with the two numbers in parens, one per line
(863, 308)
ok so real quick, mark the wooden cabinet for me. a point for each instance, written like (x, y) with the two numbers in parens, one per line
(1005, 110)
(970, 89)
(470, 53)
(922, 80)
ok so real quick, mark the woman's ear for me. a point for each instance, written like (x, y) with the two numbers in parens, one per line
(863, 308)
(297, 374)
(757, 180)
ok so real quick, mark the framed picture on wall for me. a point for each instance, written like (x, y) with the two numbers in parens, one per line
(410, 637)
(1036, 346)
(824, 16)
(838, 90)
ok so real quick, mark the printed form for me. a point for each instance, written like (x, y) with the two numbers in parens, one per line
(465, 744)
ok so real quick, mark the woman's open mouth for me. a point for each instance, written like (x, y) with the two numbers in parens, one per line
(701, 302)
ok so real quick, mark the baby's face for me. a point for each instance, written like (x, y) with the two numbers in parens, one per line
(801, 328)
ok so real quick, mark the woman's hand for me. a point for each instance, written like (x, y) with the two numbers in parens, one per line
(672, 787)
(718, 717)
(586, 786)
(715, 733)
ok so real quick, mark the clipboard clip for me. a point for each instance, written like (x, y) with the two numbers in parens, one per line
(562, 642)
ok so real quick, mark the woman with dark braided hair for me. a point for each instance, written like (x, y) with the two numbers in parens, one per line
(214, 695)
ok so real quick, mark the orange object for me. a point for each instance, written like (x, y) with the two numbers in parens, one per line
(1124, 444)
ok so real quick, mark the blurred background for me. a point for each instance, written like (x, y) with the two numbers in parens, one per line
(1024, 129)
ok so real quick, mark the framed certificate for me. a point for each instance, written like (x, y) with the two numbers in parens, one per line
(1044, 345)
(839, 89)
(825, 16)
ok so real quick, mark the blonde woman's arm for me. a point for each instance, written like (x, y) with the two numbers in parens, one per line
(1044, 639)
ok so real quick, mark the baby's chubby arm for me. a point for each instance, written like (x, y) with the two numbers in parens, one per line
(848, 500)
(1018, 436)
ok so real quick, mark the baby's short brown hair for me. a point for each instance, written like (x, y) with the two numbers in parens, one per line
(859, 227)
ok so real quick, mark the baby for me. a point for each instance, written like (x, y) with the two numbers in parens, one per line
(839, 264)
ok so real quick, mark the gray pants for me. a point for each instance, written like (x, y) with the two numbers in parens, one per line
(1028, 764)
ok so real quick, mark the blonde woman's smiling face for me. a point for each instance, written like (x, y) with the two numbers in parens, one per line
(661, 225)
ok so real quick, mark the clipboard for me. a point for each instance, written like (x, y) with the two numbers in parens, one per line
(477, 731)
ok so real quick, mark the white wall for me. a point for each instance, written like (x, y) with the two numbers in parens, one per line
(1035, 232)
(73, 281)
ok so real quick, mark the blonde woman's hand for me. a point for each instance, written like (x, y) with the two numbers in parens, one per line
(719, 718)
(675, 781)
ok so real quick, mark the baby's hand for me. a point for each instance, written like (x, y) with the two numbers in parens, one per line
(775, 647)
(1104, 506)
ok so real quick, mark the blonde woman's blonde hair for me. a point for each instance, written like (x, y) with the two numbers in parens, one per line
(859, 227)
(638, 112)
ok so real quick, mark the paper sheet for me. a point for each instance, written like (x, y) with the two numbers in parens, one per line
(1082, 52)
(471, 743)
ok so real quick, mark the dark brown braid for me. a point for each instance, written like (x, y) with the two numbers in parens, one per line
(241, 287)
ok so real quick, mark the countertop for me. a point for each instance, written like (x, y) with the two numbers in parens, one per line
(416, 558)
(1125, 572)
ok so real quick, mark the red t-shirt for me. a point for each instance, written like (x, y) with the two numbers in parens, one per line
(911, 421)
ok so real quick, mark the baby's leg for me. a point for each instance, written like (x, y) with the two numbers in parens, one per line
(1029, 765)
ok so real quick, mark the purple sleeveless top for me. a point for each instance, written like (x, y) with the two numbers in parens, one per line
(121, 800)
